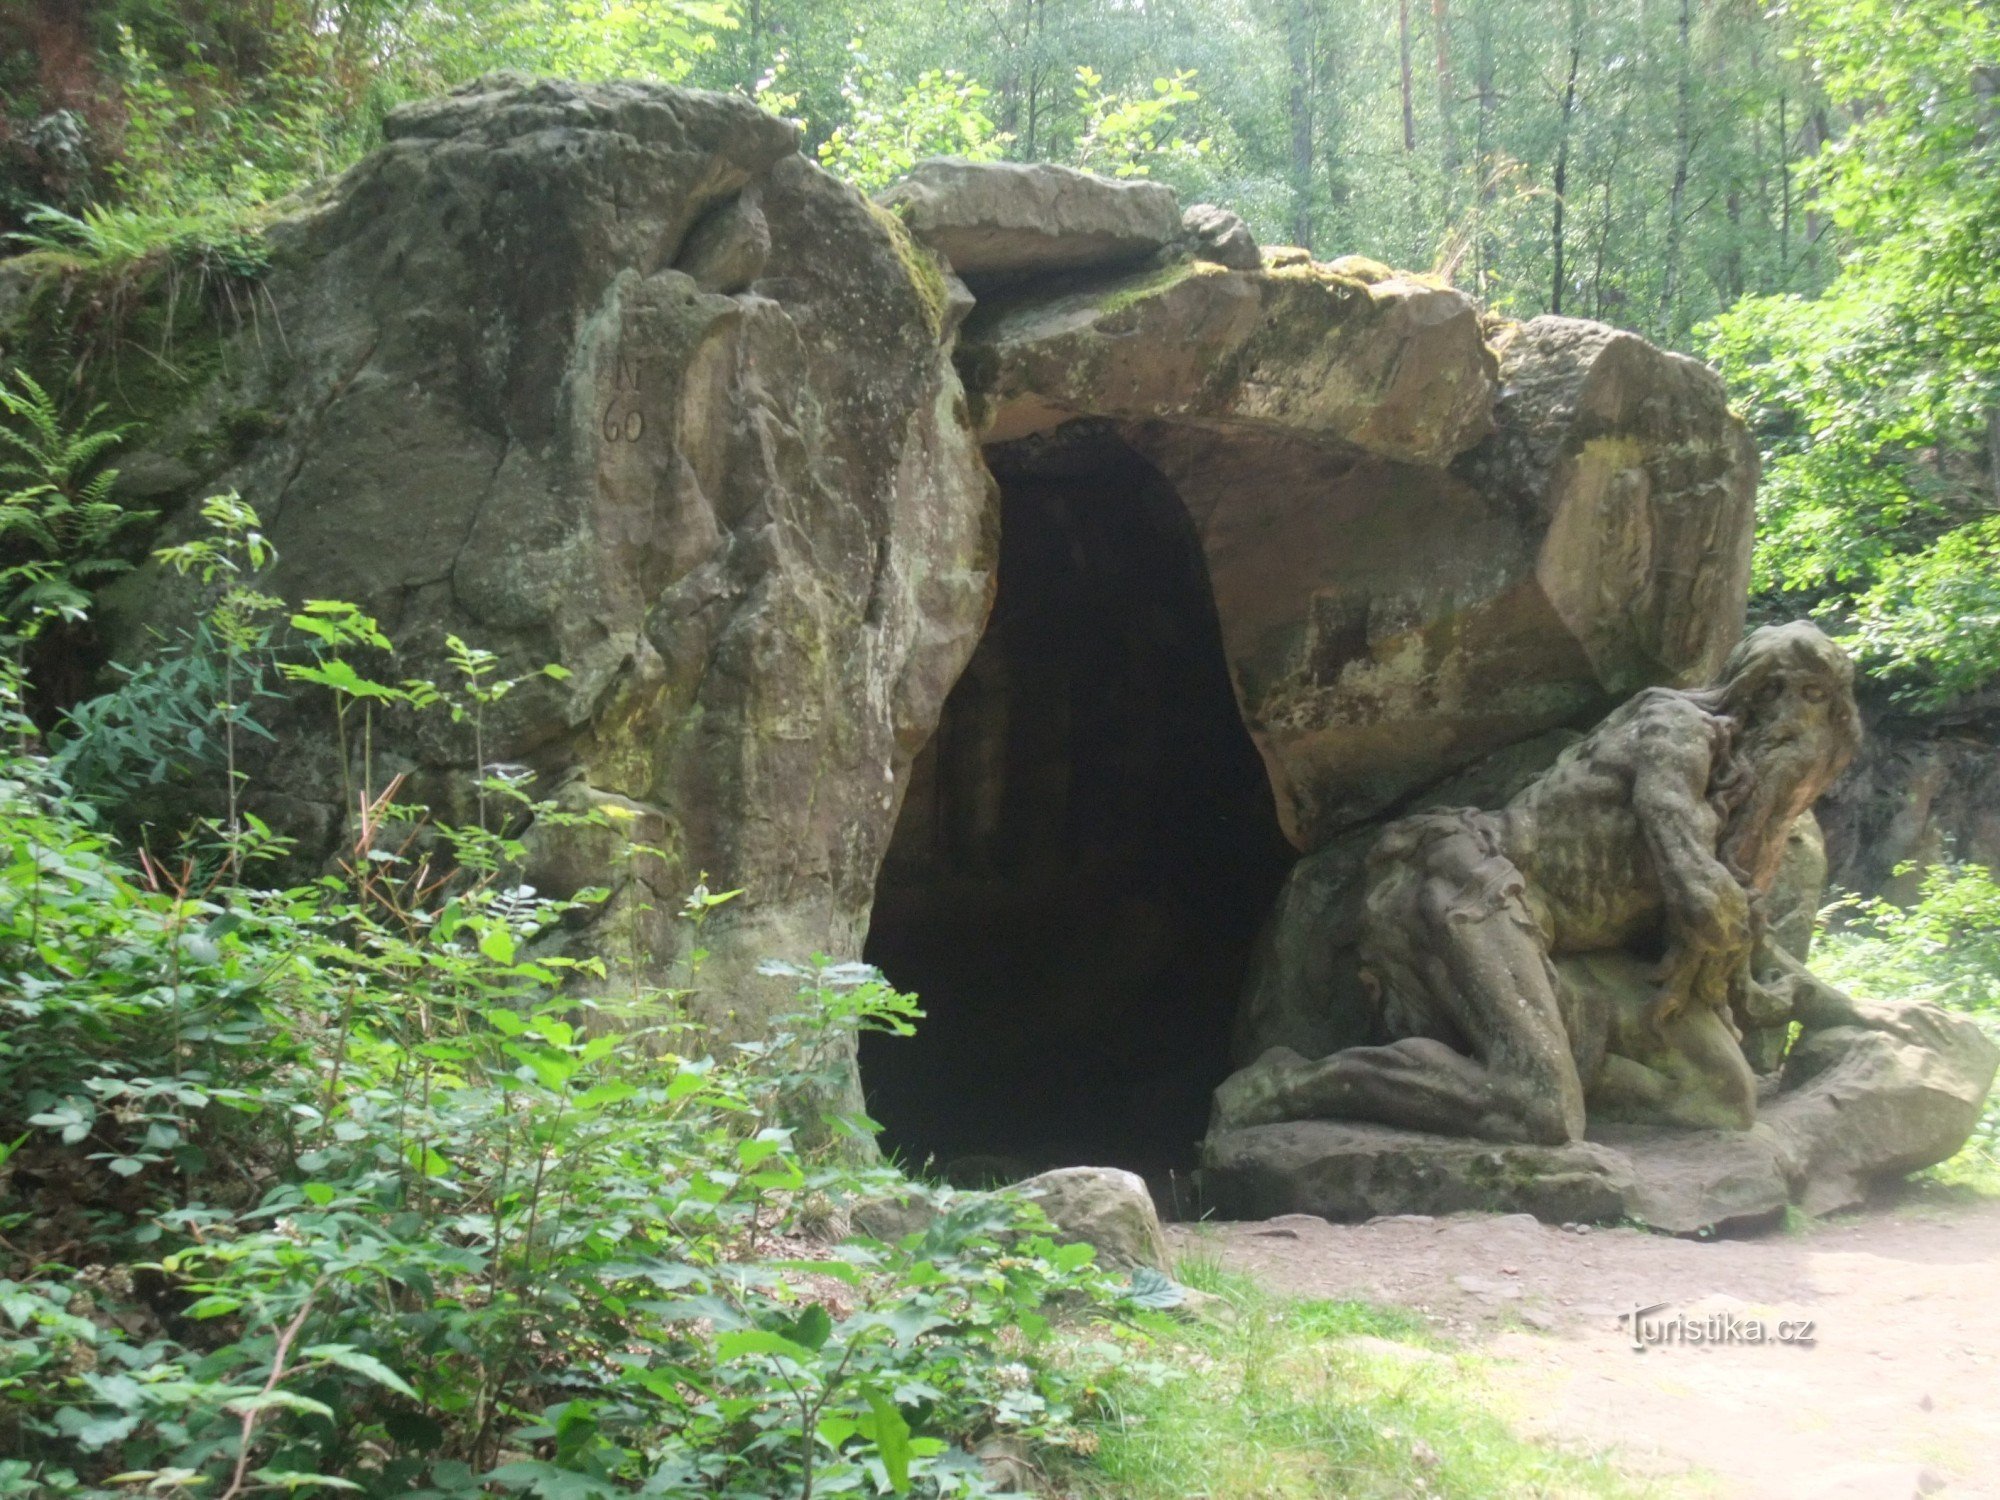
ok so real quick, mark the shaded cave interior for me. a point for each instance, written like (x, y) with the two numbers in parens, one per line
(1087, 849)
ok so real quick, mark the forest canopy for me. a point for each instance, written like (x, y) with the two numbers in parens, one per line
(1804, 193)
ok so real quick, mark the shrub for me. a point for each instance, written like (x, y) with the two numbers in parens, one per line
(343, 1187)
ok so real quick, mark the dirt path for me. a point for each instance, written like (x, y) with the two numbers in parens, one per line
(1897, 1395)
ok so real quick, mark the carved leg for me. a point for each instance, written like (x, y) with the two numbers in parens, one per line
(1415, 1084)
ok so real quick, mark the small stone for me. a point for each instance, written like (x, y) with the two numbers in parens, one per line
(1926, 1403)
(1222, 237)
(1929, 1481)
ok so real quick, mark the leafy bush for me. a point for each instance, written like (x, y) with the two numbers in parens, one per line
(342, 1187)
(891, 127)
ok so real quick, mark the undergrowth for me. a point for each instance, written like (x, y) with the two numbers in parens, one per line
(1265, 1398)
(348, 1186)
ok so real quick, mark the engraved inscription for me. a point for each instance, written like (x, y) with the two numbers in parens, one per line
(623, 421)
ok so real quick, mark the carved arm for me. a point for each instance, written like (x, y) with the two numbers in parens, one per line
(1707, 913)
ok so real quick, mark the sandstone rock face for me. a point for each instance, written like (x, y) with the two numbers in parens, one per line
(996, 220)
(1419, 554)
(611, 377)
(1399, 370)
(1926, 787)
(1867, 1103)
(1104, 1207)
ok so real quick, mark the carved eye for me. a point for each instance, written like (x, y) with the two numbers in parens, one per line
(1813, 692)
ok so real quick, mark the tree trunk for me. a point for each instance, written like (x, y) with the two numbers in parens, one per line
(1784, 189)
(1409, 108)
(1447, 136)
(1561, 183)
(1299, 106)
(1670, 283)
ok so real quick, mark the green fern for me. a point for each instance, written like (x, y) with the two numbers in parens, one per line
(58, 521)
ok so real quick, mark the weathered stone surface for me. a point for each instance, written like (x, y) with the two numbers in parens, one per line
(1594, 941)
(1861, 1108)
(1346, 1171)
(1304, 989)
(1221, 236)
(1104, 1207)
(1589, 956)
(1925, 788)
(1793, 902)
(1399, 370)
(1409, 573)
(1687, 1181)
(611, 377)
(1646, 481)
(996, 220)
(1872, 1101)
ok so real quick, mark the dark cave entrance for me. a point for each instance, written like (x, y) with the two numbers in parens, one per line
(1087, 849)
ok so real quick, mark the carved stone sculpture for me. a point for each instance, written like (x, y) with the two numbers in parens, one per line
(1597, 949)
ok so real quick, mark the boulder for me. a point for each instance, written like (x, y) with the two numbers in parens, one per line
(1864, 1104)
(1104, 1207)
(993, 221)
(1399, 370)
(1691, 1181)
(610, 377)
(1219, 235)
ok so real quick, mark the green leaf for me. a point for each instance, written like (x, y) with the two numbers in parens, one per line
(812, 1327)
(247, 1406)
(892, 1439)
(754, 1341)
(347, 1357)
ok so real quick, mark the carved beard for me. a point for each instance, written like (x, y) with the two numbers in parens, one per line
(1771, 773)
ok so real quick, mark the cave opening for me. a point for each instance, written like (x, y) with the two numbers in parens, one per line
(1087, 848)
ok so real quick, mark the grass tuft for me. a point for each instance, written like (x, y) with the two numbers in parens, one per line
(1299, 1400)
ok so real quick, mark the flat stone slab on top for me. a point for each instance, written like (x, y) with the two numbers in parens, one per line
(1008, 219)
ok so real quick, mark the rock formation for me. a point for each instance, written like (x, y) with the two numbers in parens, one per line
(611, 377)
(1598, 950)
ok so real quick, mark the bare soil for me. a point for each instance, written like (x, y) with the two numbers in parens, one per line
(1897, 1395)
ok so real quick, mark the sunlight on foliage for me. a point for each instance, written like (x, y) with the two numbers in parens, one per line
(1877, 400)
(1127, 134)
(891, 127)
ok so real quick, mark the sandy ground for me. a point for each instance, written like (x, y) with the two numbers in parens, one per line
(1897, 1394)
